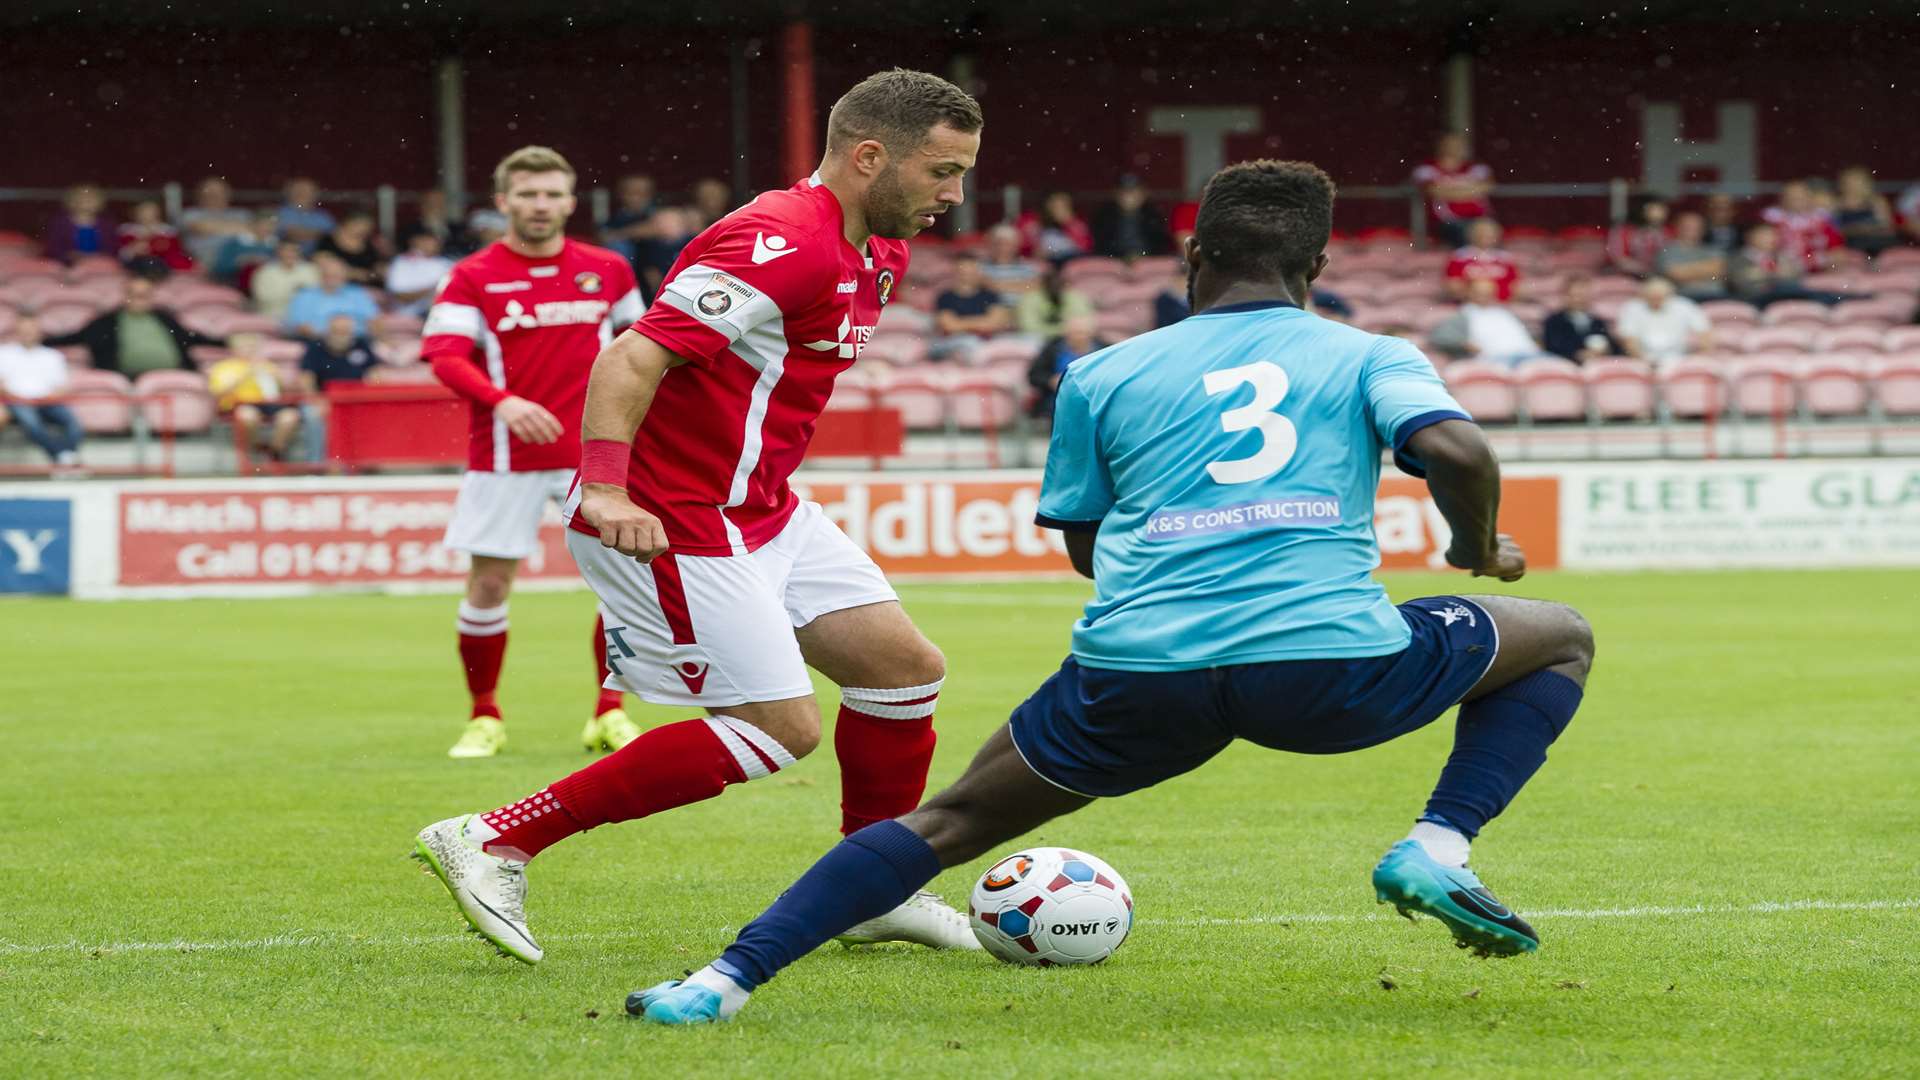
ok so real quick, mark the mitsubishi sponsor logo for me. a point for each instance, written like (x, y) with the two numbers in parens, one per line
(551, 313)
(851, 341)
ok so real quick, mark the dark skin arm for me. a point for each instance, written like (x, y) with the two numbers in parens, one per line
(1080, 551)
(1464, 478)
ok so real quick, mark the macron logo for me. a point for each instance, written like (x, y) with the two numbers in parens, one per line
(768, 248)
(694, 675)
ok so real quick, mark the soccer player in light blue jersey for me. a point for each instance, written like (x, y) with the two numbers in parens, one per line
(1216, 481)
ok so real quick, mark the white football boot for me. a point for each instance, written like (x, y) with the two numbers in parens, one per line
(924, 919)
(490, 891)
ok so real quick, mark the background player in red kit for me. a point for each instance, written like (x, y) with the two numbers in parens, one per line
(719, 585)
(514, 331)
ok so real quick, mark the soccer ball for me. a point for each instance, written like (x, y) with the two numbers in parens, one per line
(1047, 906)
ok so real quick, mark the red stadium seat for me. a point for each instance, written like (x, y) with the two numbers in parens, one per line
(86, 267)
(6, 320)
(981, 402)
(1896, 386)
(1764, 386)
(1004, 351)
(900, 350)
(1884, 307)
(1622, 389)
(1901, 339)
(1124, 322)
(901, 319)
(398, 352)
(1834, 386)
(1777, 339)
(175, 402)
(65, 316)
(1797, 313)
(1730, 313)
(100, 400)
(409, 374)
(1694, 389)
(1487, 391)
(1156, 268)
(290, 351)
(1898, 258)
(31, 292)
(1848, 339)
(920, 393)
(1081, 272)
(1551, 390)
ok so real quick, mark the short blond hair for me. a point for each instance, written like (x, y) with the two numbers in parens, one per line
(529, 159)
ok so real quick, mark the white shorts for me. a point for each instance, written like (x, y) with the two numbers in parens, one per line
(716, 630)
(498, 514)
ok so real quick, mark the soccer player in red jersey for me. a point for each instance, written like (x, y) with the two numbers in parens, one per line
(515, 330)
(720, 585)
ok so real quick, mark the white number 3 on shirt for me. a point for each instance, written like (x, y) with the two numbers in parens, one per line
(1278, 437)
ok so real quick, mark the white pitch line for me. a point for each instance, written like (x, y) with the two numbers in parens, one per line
(299, 940)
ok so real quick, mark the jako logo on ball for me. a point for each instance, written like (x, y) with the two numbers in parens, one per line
(1051, 906)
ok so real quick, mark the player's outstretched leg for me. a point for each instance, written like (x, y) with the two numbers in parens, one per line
(483, 649)
(1507, 721)
(890, 677)
(869, 873)
(481, 858)
(609, 728)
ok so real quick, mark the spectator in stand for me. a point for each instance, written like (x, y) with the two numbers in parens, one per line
(301, 218)
(334, 295)
(1909, 208)
(1697, 268)
(1634, 246)
(239, 256)
(485, 225)
(1129, 226)
(1003, 267)
(274, 283)
(1482, 260)
(342, 354)
(415, 275)
(1863, 216)
(432, 216)
(82, 228)
(246, 387)
(1054, 232)
(136, 337)
(1075, 340)
(1170, 303)
(1485, 328)
(712, 200)
(1575, 332)
(1044, 311)
(673, 227)
(32, 376)
(148, 245)
(967, 312)
(212, 220)
(631, 223)
(1456, 188)
(355, 243)
(1764, 272)
(1724, 230)
(1806, 234)
(339, 356)
(1660, 327)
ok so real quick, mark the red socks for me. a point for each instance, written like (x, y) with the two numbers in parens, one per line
(884, 740)
(483, 647)
(666, 767)
(609, 699)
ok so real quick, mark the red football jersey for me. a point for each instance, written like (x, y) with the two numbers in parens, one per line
(508, 325)
(1473, 264)
(1431, 172)
(1808, 235)
(768, 306)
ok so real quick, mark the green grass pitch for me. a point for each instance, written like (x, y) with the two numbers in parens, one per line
(208, 807)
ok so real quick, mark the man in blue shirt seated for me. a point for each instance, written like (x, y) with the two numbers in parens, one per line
(967, 312)
(1216, 480)
(315, 305)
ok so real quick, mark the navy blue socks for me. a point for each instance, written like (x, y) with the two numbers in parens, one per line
(1500, 741)
(866, 875)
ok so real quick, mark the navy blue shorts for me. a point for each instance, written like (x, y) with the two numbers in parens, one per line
(1102, 732)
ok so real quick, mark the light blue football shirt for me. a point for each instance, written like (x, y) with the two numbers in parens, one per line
(1230, 463)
